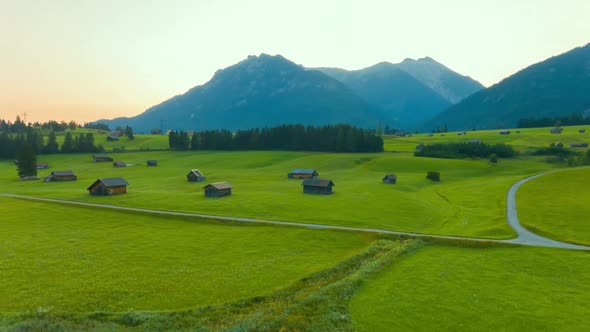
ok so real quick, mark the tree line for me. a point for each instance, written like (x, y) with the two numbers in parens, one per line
(465, 150)
(11, 144)
(331, 138)
(568, 120)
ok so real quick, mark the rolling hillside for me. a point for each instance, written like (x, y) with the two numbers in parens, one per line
(555, 87)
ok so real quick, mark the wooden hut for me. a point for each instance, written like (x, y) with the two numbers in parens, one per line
(108, 187)
(557, 145)
(100, 158)
(579, 145)
(57, 176)
(556, 130)
(390, 179)
(112, 138)
(419, 147)
(317, 186)
(474, 141)
(195, 176)
(504, 132)
(461, 133)
(119, 164)
(152, 163)
(42, 165)
(303, 173)
(581, 131)
(217, 189)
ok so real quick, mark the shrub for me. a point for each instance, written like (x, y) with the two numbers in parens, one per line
(494, 158)
(462, 150)
(434, 176)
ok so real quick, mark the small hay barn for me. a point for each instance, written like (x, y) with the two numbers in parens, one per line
(195, 176)
(217, 189)
(317, 186)
(303, 173)
(108, 187)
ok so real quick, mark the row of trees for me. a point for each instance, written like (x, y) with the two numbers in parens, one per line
(568, 120)
(338, 138)
(463, 150)
(10, 145)
(20, 127)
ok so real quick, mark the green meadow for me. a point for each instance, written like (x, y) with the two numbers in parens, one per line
(67, 267)
(469, 201)
(444, 288)
(74, 259)
(556, 205)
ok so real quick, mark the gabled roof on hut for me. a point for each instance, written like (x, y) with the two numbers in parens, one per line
(218, 185)
(195, 172)
(62, 173)
(109, 182)
(317, 183)
(304, 171)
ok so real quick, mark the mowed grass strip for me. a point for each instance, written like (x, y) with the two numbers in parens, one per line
(557, 205)
(443, 288)
(73, 259)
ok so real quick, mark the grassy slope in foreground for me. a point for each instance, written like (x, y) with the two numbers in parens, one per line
(442, 288)
(469, 201)
(68, 258)
(557, 205)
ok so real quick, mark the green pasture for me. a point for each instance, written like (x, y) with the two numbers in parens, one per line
(440, 288)
(140, 142)
(469, 201)
(526, 140)
(557, 205)
(61, 258)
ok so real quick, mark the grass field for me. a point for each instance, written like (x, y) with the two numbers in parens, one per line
(74, 259)
(556, 205)
(527, 139)
(440, 288)
(469, 201)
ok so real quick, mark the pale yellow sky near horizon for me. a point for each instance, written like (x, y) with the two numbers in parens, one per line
(84, 60)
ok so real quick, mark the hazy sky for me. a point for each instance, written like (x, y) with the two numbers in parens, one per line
(84, 60)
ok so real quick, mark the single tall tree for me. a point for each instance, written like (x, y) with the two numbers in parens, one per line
(26, 160)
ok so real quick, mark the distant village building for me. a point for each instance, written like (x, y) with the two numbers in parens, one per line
(581, 131)
(108, 187)
(474, 141)
(42, 165)
(419, 147)
(579, 145)
(217, 189)
(430, 135)
(119, 164)
(557, 145)
(317, 186)
(556, 130)
(57, 176)
(461, 133)
(390, 179)
(116, 133)
(152, 163)
(303, 173)
(195, 176)
(156, 131)
(504, 132)
(112, 138)
(100, 158)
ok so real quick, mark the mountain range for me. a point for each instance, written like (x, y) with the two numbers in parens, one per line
(263, 91)
(558, 86)
(266, 90)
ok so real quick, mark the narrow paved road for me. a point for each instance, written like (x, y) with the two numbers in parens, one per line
(525, 237)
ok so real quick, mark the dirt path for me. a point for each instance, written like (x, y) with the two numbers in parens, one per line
(525, 237)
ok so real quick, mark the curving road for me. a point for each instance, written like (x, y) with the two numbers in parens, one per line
(525, 237)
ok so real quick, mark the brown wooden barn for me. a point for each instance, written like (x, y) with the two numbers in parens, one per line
(581, 131)
(42, 165)
(108, 187)
(195, 176)
(504, 132)
(152, 163)
(556, 130)
(217, 189)
(57, 176)
(101, 158)
(317, 186)
(303, 173)
(119, 164)
(390, 179)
